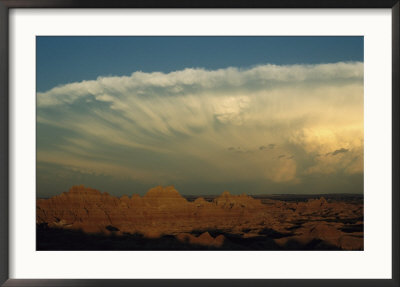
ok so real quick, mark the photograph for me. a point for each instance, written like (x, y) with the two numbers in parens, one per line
(207, 143)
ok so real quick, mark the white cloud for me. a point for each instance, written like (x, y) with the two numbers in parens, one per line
(182, 123)
(264, 76)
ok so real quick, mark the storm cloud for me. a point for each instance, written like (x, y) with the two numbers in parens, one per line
(212, 126)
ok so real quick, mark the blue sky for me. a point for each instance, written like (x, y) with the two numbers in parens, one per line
(206, 114)
(62, 60)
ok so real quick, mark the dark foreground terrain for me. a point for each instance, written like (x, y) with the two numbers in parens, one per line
(86, 219)
(61, 239)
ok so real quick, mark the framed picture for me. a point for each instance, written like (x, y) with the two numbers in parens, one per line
(176, 147)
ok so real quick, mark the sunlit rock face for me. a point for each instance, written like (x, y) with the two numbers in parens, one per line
(163, 211)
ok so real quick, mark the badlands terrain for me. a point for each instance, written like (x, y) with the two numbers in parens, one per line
(162, 219)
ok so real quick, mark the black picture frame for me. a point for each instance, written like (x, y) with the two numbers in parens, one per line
(6, 5)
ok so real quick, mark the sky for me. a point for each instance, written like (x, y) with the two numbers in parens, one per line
(255, 115)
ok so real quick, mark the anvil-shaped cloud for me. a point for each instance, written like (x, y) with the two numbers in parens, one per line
(268, 125)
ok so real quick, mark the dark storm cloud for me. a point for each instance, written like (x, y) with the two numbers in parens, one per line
(339, 151)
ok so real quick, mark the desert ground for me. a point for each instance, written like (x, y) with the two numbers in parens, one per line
(87, 219)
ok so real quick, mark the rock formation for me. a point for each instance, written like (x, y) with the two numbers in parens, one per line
(163, 211)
